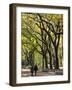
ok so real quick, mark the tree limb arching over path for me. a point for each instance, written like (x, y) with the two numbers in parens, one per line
(44, 36)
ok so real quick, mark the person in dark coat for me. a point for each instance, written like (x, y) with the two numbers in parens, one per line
(35, 69)
(32, 70)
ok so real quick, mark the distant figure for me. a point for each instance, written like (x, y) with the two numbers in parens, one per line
(32, 70)
(35, 69)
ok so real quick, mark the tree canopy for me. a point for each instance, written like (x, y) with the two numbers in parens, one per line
(42, 40)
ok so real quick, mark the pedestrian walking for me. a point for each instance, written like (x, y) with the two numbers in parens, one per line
(35, 69)
(32, 70)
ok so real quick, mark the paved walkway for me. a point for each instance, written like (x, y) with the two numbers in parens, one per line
(26, 73)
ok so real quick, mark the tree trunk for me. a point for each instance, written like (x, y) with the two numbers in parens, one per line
(43, 62)
(46, 62)
(50, 61)
(56, 56)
